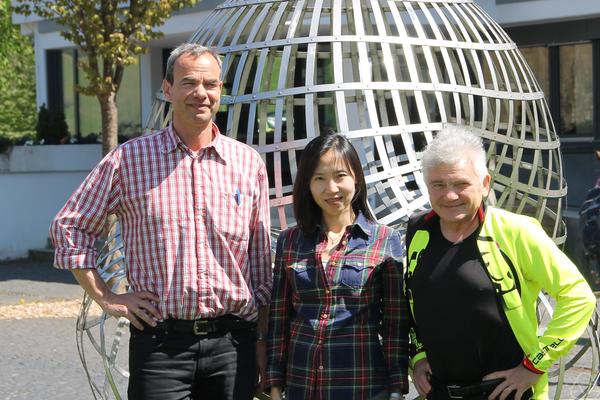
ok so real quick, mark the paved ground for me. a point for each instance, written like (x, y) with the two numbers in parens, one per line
(39, 358)
(35, 281)
(39, 355)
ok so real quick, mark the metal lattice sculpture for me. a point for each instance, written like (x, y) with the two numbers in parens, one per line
(105, 334)
(386, 74)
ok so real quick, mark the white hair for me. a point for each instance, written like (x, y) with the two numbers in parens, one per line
(453, 145)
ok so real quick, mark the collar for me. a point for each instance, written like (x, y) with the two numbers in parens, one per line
(360, 224)
(172, 141)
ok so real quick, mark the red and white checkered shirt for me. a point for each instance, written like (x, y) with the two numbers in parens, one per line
(195, 227)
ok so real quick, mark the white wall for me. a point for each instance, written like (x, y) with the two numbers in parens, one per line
(35, 182)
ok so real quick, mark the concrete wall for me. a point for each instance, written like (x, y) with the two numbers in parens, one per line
(525, 12)
(35, 182)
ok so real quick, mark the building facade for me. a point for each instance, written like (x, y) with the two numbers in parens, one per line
(561, 42)
(57, 73)
(559, 39)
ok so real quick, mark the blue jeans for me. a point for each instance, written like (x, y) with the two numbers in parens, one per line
(168, 365)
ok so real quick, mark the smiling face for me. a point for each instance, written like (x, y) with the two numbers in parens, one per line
(332, 187)
(195, 91)
(456, 192)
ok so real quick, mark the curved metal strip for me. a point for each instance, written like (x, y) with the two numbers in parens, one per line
(381, 86)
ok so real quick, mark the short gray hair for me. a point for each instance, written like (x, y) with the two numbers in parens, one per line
(192, 49)
(453, 145)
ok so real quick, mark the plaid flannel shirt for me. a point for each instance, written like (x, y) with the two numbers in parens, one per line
(195, 227)
(325, 322)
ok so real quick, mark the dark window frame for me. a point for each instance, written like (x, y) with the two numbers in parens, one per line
(54, 84)
(554, 35)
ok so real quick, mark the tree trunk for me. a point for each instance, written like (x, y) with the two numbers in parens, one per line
(110, 121)
(110, 128)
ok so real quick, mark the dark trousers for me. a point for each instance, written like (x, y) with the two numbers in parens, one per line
(167, 365)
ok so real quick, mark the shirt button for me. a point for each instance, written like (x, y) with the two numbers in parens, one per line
(321, 367)
(326, 291)
(333, 263)
(344, 242)
(324, 316)
(320, 341)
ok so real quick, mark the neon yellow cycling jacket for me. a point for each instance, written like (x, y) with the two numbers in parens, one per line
(512, 244)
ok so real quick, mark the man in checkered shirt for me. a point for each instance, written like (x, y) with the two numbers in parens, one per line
(193, 207)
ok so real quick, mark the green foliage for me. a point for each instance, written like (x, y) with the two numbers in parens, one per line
(111, 33)
(52, 126)
(43, 121)
(17, 80)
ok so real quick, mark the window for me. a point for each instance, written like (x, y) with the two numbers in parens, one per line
(537, 59)
(68, 88)
(576, 93)
(566, 75)
(83, 112)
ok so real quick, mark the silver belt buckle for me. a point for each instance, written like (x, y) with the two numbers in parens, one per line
(449, 388)
(198, 328)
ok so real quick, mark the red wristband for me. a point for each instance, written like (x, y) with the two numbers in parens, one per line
(529, 365)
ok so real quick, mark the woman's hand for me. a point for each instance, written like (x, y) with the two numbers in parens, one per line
(276, 393)
(261, 364)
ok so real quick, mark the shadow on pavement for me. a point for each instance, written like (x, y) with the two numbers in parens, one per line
(30, 270)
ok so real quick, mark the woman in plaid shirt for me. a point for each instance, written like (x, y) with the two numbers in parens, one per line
(337, 289)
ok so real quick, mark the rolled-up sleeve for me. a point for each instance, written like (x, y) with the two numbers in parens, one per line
(259, 246)
(81, 220)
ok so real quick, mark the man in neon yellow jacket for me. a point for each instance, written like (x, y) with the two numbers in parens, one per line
(473, 276)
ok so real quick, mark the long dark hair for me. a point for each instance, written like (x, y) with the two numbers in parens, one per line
(308, 214)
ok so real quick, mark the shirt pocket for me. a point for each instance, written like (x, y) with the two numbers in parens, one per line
(234, 218)
(302, 277)
(354, 276)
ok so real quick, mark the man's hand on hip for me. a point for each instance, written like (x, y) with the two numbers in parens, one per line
(421, 374)
(137, 307)
(517, 379)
